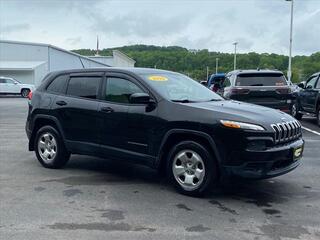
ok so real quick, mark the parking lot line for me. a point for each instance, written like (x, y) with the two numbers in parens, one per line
(310, 130)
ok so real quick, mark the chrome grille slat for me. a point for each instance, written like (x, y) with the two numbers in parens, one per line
(286, 131)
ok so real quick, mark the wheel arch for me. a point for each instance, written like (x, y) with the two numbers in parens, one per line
(175, 136)
(40, 121)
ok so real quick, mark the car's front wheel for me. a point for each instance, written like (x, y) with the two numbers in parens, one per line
(192, 168)
(25, 92)
(50, 149)
(295, 111)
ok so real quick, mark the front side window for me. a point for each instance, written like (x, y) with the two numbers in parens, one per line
(318, 84)
(261, 79)
(311, 82)
(83, 86)
(58, 85)
(119, 90)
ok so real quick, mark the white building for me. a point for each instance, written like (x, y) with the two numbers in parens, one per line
(30, 62)
(118, 59)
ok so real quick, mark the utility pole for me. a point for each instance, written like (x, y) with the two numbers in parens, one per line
(97, 53)
(217, 65)
(235, 56)
(207, 73)
(290, 45)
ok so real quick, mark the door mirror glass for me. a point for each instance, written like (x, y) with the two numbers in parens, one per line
(142, 98)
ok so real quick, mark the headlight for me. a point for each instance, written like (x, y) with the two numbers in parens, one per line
(241, 125)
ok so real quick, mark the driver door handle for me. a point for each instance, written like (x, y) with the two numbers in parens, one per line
(107, 109)
(61, 103)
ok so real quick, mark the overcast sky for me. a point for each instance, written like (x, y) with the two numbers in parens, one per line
(258, 25)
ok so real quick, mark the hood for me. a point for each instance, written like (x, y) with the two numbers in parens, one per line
(27, 85)
(244, 112)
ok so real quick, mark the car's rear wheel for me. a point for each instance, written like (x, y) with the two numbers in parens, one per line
(295, 111)
(192, 168)
(50, 149)
(25, 92)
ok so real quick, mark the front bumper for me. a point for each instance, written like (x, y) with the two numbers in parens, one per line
(272, 162)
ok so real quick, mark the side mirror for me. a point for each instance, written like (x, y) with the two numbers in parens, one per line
(301, 85)
(140, 98)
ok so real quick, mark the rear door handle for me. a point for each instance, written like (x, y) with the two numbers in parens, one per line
(107, 109)
(61, 103)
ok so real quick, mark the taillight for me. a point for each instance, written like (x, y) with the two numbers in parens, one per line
(29, 95)
(283, 90)
(239, 91)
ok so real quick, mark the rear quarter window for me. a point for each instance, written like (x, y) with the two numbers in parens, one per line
(58, 85)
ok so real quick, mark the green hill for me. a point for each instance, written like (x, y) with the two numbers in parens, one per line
(194, 62)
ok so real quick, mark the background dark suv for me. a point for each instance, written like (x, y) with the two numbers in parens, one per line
(263, 87)
(161, 119)
(308, 98)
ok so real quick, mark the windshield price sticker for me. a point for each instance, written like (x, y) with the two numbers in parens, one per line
(157, 78)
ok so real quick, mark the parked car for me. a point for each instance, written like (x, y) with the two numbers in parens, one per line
(263, 87)
(13, 86)
(215, 81)
(308, 98)
(162, 119)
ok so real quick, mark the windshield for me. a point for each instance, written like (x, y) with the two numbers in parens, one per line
(268, 79)
(180, 88)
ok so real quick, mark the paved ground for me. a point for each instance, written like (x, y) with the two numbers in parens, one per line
(96, 199)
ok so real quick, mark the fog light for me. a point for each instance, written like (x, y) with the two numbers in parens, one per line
(289, 101)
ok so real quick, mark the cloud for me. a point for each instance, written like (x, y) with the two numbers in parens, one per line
(73, 41)
(258, 25)
(14, 28)
(141, 25)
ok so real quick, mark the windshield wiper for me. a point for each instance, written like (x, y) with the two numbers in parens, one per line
(257, 85)
(215, 100)
(181, 100)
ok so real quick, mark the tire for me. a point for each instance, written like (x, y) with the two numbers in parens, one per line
(295, 111)
(25, 92)
(192, 160)
(318, 116)
(50, 149)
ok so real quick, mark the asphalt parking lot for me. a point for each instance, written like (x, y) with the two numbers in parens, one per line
(95, 198)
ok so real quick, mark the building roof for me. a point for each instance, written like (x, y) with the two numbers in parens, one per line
(52, 46)
(114, 52)
(20, 65)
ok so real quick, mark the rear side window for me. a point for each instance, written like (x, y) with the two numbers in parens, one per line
(119, 90)
(261, 79)
(58, 85)
(2, 81)
(86, 87)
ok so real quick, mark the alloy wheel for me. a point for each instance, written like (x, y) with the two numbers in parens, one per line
(188, 169)
(47, 147)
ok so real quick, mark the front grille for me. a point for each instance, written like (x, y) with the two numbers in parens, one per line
(286, 132)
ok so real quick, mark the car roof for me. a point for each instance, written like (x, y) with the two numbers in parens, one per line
(120, 69)
(315, 74)
(253, 71)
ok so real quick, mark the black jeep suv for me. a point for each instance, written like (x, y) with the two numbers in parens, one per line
(308, 98)
(268, 88)
(161, 119)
